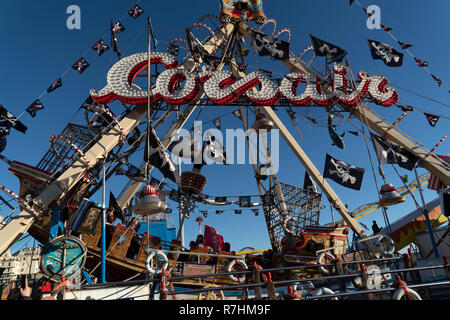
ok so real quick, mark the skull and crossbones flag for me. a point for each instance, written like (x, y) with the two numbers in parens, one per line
(388, 152)
(80, 65)
(345, 174)
(135, 12)
(8, 120)
(100, 46)
(331, 51)
(309, 184)
(35, 107)
(55, 85)
(385, 52)
(245, 201)
(117, 27)
(173, 49)
(432, 119)
(271, 47)
(156, 155)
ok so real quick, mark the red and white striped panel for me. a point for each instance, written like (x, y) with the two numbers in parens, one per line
(434, 183)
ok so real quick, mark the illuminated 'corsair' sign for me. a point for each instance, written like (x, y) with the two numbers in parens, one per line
(222, 88)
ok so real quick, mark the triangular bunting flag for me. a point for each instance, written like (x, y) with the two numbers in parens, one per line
(237, 114)
(421, 63)
(385, 28)
(432, 119)
(55, 85)
(404, 45)
(405, 108)
(218, 123)
(438, 81)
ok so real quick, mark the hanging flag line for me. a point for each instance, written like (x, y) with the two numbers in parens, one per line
(82, 64)
(236, 211)
(405, 46)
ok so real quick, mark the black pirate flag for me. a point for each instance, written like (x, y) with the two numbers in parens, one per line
(117, 27)
(345, 174)
(173, 49)
(34, 107)
(55, 85)
(80, 65)
(388, 152)
(100, 46)
(432, 119)
(245, 201)
(135, 12)
(156, 155)
(331, 51)
(270, 47)
(385, 52)
(8, 120)
(118, 213)
(309, 184)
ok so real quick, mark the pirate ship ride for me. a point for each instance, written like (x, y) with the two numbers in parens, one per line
(54, 195)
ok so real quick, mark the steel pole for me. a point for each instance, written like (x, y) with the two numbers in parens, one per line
(103, 257)
(427, 218)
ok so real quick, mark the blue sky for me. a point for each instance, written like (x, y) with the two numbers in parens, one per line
(38, 48)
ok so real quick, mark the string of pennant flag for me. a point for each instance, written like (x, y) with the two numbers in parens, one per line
(8, 120)
(390, 56)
